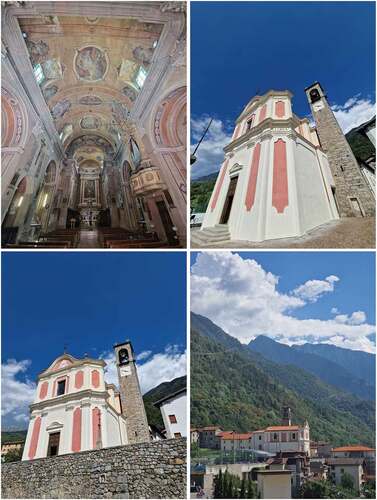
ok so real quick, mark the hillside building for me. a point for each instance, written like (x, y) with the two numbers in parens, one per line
(352, 466)
(76, 410)
(173, 410)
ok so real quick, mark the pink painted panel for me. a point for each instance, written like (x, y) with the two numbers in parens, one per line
(280, 177)
(43, 390)
(96, 424)
(252, 184)
(219, 185)
(76, 430)
(280, 109)
(95, 378)
(35, 438)
(235, 133)
(263, 112)
(79, 379)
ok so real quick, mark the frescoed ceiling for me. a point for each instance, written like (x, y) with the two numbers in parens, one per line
(88, 67)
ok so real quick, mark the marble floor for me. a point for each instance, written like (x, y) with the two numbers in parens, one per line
(88, 238)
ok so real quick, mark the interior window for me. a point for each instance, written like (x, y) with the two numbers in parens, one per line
(61, 387)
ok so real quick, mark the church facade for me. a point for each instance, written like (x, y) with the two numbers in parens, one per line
(76, 410)
(93, 122)
(280, 179)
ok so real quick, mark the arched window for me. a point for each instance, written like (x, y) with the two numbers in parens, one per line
(50, 174)
(135, 153)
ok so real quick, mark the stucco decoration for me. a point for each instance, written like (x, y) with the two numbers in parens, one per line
(49, 92)
(38, 51)
(170, 119)
(61, 108)
(90, 64)
(130, 92)
(12, 125)
(143, 55)
(90, 122)
(90, 100)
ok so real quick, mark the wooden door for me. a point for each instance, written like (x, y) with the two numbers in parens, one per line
(229, 200)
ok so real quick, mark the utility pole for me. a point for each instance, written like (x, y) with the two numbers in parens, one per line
(192, 156)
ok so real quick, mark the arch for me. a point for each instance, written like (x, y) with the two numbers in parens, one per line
(50, 174)
(170, 119)
(126, 171)
(14, 120)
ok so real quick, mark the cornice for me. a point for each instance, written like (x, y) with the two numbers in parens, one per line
(75, 364)
(67, 398)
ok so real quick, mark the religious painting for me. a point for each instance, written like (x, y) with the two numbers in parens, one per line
(90, 100)
(38, 51)
(128, 70)
(49, 92)
(143, 55)
(89, 189)
(52, 69)
(129, 92)
(61, 108)
(90, 122)
(90, 64)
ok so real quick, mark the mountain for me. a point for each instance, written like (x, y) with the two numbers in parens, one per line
(361, 364)
(157, 393)
(239, 389)
(201, 190)
(361, 146)
(11, 436)
(325, 368)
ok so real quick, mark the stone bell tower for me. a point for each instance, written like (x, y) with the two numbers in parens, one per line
(131, 398)
(353, 196)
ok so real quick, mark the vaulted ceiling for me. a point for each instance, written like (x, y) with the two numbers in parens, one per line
(88, 68)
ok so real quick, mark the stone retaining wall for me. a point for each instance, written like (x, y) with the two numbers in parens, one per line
(144, 470)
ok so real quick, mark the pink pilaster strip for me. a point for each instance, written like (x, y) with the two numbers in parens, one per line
(219, 185)
(280, 109)
(95, 425)
(235, 133)
(263, 112)
(253, 176)
(76, 430)
(43, 390)
(280, 178)
(35, 438)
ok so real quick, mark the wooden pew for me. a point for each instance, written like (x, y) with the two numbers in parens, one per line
(136, 244)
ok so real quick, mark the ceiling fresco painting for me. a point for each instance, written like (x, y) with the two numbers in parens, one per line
(88, 65)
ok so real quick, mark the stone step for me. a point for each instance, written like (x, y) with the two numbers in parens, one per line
(216, 234)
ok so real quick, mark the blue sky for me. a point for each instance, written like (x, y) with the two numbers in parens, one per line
(90, 301)
(290, 296)
(241, 48)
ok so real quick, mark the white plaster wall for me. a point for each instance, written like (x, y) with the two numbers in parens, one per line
(113, 429)
(274, 485)
(177, 407)
(314, 206)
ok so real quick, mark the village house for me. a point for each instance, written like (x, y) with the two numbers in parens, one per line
(209, 437)
(232, 441)
(173, 411)
(352, 466)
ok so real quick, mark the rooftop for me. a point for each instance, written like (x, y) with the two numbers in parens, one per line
(356, 447)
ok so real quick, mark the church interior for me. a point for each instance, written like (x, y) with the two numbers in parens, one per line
(93, 124)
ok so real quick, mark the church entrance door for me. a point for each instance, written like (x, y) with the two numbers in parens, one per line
(53, 444)
(229, 201)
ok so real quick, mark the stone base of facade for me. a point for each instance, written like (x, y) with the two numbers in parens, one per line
(146, 470)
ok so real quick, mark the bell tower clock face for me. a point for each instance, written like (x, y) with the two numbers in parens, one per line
(123, 357)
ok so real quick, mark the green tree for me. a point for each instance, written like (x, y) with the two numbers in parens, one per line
(316, 489)
(346, 481)
(369, 489)
(218, 484)
(13, 455)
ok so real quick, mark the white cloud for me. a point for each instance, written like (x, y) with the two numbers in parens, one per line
(144, 355)
(243, 299)
(161, 367)
(312, 290)
(16, 394)
(334, 310)
(210, 154)
(354, 112)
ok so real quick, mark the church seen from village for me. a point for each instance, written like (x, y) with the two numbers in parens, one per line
(76, 410)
